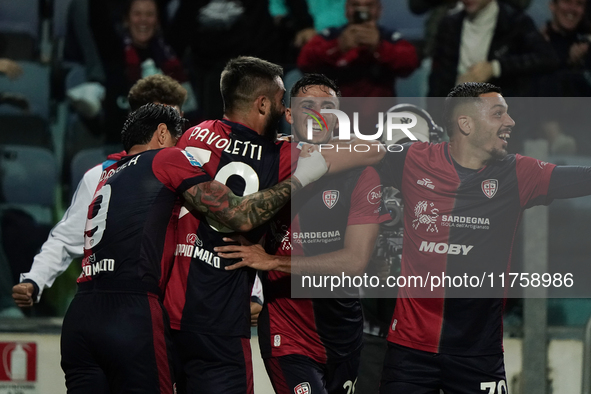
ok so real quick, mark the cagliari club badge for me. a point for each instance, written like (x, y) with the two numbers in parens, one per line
(330, 198)
(490, 187)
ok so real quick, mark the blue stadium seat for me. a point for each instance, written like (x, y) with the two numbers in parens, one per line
(30, 130)
(20, 16)
(29, 175)
(33, 84)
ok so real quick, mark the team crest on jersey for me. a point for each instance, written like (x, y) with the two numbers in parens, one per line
(490, 187)
(426, 213)
(194, 162)
(330, 198)
(303, 388)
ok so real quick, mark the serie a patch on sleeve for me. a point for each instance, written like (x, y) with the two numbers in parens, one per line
(194, 162)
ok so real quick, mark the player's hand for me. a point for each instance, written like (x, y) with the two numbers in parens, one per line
(23, 295)
(311, 165)
(253, 256)
(255, 311)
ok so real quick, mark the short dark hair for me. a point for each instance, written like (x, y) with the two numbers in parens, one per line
(143, 122)
(463, 93)
(309, 80)
(156, 88)
(245, 78)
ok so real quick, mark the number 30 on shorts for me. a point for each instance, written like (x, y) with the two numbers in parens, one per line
(494, 387)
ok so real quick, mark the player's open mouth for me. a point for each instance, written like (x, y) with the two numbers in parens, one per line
(505, 136)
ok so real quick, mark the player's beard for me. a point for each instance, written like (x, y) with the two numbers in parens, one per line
(272, 123)
(497, 154)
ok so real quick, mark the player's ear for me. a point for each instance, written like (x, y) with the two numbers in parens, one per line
(465, 124)
(288, 116)
(162, 134)
(263, 104)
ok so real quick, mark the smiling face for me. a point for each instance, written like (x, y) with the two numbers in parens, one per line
(310, 103)
(492, 126)
(142, 21)
(567, 14)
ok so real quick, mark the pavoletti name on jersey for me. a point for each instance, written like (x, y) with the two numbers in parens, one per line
(100, 266)
(106, 175)
(197, 253)
(231, 146)
(443, 248)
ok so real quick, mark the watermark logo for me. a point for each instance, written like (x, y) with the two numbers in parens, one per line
(317, 117)
(409, 121)
(490, 187)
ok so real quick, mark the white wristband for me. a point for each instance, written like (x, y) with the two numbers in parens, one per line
(310, 168)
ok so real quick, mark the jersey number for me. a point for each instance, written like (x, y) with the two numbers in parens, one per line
(501, 387)
(97, 220)
(244, 171)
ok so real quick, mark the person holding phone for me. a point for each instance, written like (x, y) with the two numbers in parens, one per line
(364, 57)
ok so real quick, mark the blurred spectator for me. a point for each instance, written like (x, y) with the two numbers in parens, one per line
(363, 57)
(489, 41)
(125, 52)
(569, 33)
(437, 10)
(219, 30)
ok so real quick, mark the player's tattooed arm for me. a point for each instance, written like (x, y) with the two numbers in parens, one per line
(216, 201)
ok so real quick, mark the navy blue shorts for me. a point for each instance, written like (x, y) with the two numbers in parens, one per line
(213, 364)
(412, 371)
(116, 342)
(297, 374)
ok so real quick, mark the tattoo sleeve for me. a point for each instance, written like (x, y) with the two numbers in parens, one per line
(217, 202)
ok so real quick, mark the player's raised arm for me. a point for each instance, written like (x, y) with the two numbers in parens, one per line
(217, 201)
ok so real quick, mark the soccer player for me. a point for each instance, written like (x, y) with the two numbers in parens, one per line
(313, 345)
(209, 306)
(455, 344)
(66, 239)
(116, 325)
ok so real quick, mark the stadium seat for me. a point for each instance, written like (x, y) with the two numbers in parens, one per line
(20, 16)
(28, 130)
(29, 175)
(33, 84)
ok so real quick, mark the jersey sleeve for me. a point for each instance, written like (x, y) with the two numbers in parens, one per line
(178, 170)
(288, 159)
(66, 239)
(533, 179)
(366, 200)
